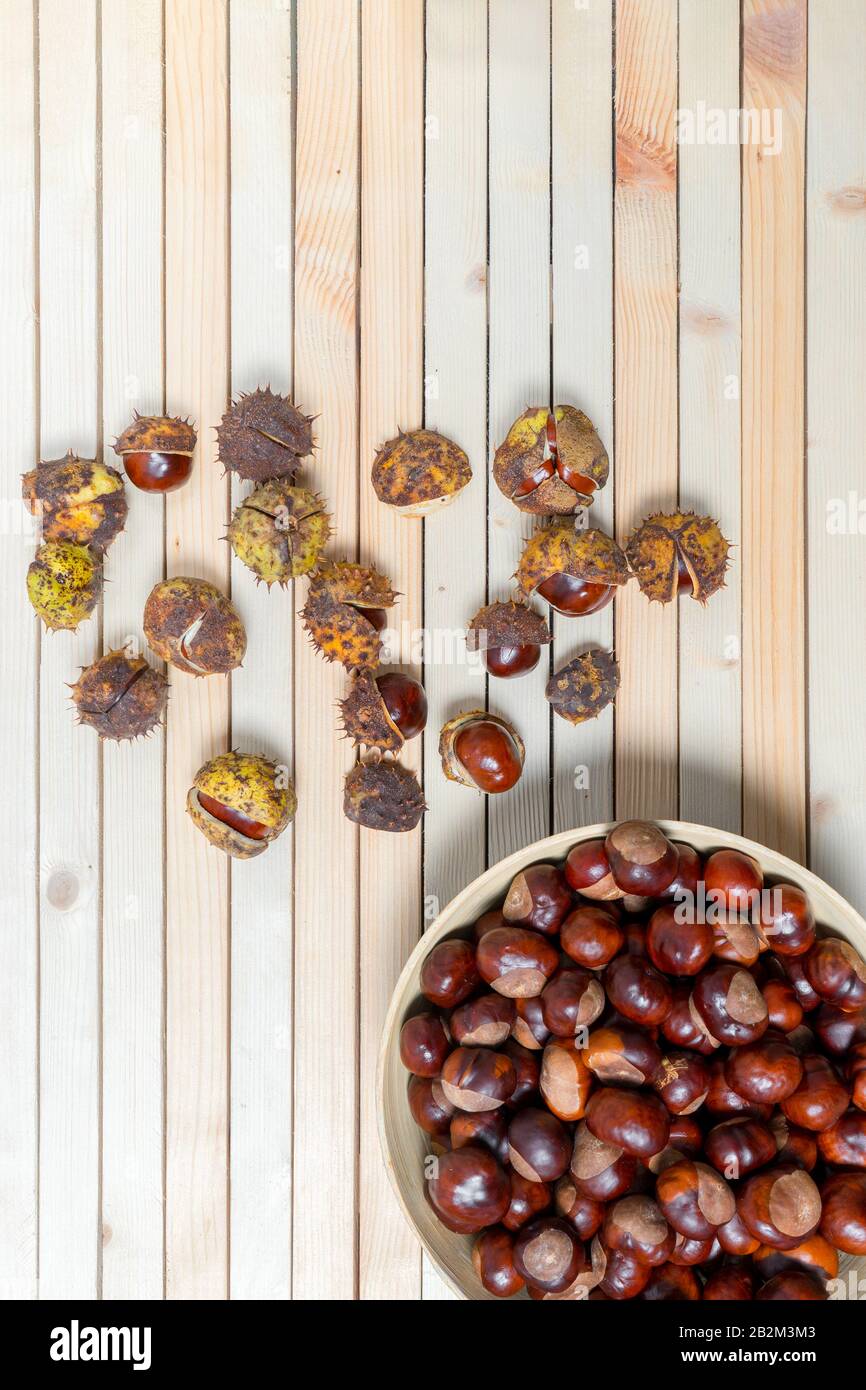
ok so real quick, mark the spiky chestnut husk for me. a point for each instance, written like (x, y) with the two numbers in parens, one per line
(666, 541)
(559, 549)
(79, 500)
(120, 696)
(64, 583)
(264, 435)
(365, 716)
(451, 765)
(279, 531)
(584, 687)
(419, 472)
(551, 461)
(506, 625)
(383, 796)
(246, 785)
(334, 613)
(191, 624)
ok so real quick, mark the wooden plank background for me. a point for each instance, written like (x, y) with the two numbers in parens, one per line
(402, 212)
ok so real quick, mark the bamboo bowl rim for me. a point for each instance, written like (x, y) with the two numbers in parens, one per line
(450, 1253)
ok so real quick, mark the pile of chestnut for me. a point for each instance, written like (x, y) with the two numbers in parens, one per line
(631, 1094)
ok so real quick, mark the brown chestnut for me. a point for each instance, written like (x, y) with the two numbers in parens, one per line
(794, 1284)
(631, 1120)
(487, 1127)
(794, 1145)
(485, 1021)
(516, 961)
(642, 859)
(843, 1215)
(815, 1255)
(624, 1276)
(449, 974)
(548, 1254)
(795, 970)
(637, 990)
(736, 941)
(786, 922)
(686, 1140)
(622, 1055)
(730, 1284)
(482, 751)
(781, 1206)
(487, 921)
(672, 1282)
(428, 1105)
(734, 879)
(469, 1189)
(473, 1079)
(572, 1000)
(680, 1026)
(493, 1262)
(423, 1044)
(844, 1143)
(636, 1226)
(767, 1071)
(819, 1099)
(837, 974)
(528, 1200)
(688, 1251)
(584, 1213)
(600, 1170)
(682, 1080)
(721, 1100)
(678, 948)
(538, 897)
(405, 701)
(684, 884)
(694, 1198)
(837, 1031)
(527, 1072)
(784, 1010)
(539, 1147)
(588, 871)
(591, 936)
(735, 1238)
(529, 1027)
(565, 1081)
(575, 597)
(730, 1005)
(740, 1145)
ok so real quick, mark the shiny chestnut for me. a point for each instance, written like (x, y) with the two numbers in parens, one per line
(548, 1254)
(449, 974)
(428, 1105)
(739, 1146)
(591, 936)
(784, 1010)
(469, 1189)
(642, 859)
(405, 700)
(682, 1080)
(694, 1198)
(485, 1021)
(622, 1055)
(843, 1214)
(636, 1226)
(529, 1028)
(844, 1143)
(767, 1071)
(488, 1128)
(584, 1213)
(837, 974)
(573, 999)
(600, 1170)
(786, 922)
(675, 947)
(637, 990)
(493, 1262)
(566, 1081)
(516, 961)
(587, 870)
(528, 1200)
(734, 879)
(538, 897)
(575, 597)
(631, 1120)
(780, 1205)
(539, 1147)
(474, 1078)
(819, 1099)
(730, 1005)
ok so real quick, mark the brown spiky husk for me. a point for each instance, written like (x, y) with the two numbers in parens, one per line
(584, 687)
(365, 717)
(506, 625)
(590, 555)
(120, 697)
(333, 614)
(264, 435)
(156, 434)
(192, 624)
(383, 796)
(71, 507)
(663, 539)
(524, 453)
(419, 470)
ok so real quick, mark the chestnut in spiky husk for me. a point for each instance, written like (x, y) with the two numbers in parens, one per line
(264, 435)
(552, 461)
(509, 636)
(419, 472)
(481, 751)
(120, 696)
(190, 623)
(679, 551)
(79, 500)
(345, 612)
(576, 571)
(584, 687)
(240, 802)
(383, 795)
(64, 583)
(382, 712)
(279, 531)
(157, 452)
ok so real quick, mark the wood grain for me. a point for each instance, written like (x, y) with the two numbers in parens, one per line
(197, 947)
(326, 883)
(836, 367)
(645, 294)
(18, 747)
(455, 389)
(710, 664)
(519, 312)
(392, 111)
(69, 796)
(582, 250)
(260, 39)
(774, 755)
(133, 909)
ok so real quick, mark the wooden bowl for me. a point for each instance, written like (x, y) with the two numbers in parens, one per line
(405, 1147)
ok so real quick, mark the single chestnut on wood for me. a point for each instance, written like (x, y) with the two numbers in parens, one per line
(480, 750)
